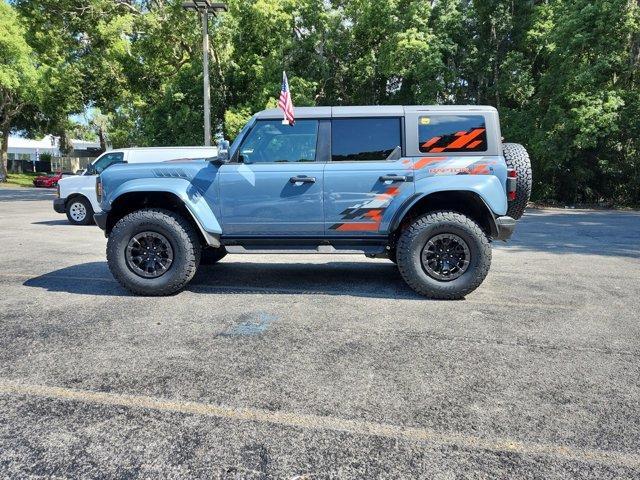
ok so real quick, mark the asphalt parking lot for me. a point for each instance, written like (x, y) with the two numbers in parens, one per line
(321, 366)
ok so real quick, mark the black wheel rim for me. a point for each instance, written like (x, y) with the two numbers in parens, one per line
(149, 254)
(445, 257)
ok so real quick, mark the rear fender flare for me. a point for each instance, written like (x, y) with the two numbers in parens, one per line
(485, 187)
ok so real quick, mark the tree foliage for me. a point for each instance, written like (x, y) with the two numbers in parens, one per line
(18, 77)
(562, 73)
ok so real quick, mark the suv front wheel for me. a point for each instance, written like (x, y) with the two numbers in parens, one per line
(443, 255)
(79, 211)
(153, 252)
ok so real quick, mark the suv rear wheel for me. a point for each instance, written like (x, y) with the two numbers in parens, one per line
(153, 252)
(443, 255)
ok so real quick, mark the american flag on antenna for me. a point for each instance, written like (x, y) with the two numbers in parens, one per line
(285, 102)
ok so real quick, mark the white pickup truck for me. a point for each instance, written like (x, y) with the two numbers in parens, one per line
(77, 194)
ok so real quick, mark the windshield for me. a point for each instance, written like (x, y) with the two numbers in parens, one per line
(239, 137)
(106, 160)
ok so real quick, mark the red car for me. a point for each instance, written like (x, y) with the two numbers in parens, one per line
(50, 180)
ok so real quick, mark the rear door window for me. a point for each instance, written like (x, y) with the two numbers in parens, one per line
(365, 139)
(452, 133)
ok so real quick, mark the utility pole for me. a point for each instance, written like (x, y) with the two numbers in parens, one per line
(205, 71)
(204, 7)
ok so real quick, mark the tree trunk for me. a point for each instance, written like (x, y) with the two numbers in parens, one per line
(103, 140)
(3, 152)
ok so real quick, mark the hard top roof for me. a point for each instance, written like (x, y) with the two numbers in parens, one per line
(371, 111)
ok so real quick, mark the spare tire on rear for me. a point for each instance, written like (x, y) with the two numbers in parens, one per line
(516, 157)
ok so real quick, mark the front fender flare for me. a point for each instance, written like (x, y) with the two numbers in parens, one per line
(191, 196)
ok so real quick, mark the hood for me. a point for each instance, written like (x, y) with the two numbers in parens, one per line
(72, 180)
(189, 160)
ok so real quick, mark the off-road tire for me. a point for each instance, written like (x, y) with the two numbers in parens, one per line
(516, 157)
(88, 218)
(177, 230)
(211, 256)
(414, 238)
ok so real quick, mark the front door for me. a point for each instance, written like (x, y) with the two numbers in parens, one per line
(367, 179)
(275, 186)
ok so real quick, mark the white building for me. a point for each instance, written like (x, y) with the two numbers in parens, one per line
(29, 149)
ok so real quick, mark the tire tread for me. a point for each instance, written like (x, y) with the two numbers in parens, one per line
(444, 292)
(185, 232)
(516, 157)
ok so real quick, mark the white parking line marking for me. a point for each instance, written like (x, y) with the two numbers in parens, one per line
(316, 422)
(298, 291)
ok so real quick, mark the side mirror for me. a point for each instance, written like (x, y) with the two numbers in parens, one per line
(223, 152)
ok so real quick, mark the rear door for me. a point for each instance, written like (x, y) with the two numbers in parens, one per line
(274, 185)
(367, 178)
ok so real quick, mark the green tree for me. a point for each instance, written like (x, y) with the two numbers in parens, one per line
(585, 119)
(18, 77)
(564, 80)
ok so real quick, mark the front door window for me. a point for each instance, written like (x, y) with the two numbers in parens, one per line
(272, 142)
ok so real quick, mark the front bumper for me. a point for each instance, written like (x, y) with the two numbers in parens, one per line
(59, 205)
(101, 220)
(506, 226)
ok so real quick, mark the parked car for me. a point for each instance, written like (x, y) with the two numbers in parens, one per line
(77, 194)
(50, 180)
(427, 187)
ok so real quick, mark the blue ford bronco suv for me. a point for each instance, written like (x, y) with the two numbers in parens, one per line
(428, 187)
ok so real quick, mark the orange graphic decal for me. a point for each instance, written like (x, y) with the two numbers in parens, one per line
(474, 144)
(373, 213)
(480, 169)
(463, 140)
(433, 141)
(423, 162)
(389, 192)
(358, 227)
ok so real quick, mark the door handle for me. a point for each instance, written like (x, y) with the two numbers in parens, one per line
(393, 178)
(302, 179)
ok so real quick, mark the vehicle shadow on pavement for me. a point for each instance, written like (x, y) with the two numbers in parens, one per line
(373, 279)
(54, 223)
(377, 279)
(91, 278)
(604, 233)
